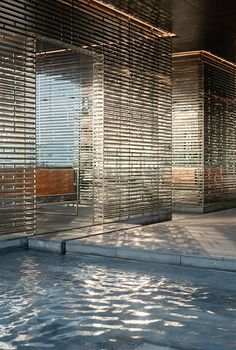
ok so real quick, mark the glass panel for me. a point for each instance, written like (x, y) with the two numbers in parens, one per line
(64, 171)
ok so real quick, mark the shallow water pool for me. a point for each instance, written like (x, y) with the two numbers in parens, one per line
(70, 302)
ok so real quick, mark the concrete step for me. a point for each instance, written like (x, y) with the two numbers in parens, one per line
(61, 246)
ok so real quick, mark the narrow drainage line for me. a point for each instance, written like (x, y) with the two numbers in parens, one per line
(63, 242)
(101, 233)
(73, 228)
(64, 230)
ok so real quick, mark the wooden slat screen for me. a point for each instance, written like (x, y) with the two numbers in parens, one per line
(220, 133)
(132, 114)
(17, 130)
(188, 143)
(204, 132)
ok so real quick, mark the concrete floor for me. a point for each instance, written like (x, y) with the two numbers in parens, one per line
(207, 240)
(84, 231)
(55, 216)
(212, 234)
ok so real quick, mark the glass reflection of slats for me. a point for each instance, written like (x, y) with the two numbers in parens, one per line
(204, 132)
(132, 114)
(64, 131)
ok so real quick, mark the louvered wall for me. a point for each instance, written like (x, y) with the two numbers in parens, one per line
(137, 128)
(17, 133)
(155, 12)
(132, 115)
(220, 133)
(204, 132)
(188, 143)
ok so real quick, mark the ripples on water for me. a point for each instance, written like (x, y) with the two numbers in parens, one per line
(61, 302)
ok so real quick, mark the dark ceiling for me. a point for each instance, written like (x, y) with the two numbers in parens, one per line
(205, 25)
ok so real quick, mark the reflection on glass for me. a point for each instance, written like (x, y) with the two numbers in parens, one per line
(64, 136)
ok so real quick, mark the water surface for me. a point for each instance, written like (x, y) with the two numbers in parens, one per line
(67, 302)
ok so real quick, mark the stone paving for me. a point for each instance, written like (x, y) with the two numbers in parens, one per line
(207, 240)
(212, 235)
(86, 231)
